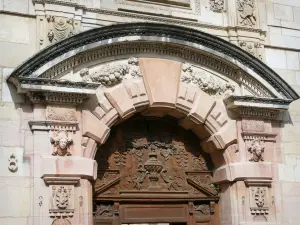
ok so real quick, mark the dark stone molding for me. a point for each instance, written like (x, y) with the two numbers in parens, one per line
(160, 30)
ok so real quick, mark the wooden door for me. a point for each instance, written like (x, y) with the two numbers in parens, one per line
(152, 171)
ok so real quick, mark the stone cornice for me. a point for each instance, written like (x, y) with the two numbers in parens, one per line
(160, 30)
(43, 90)
(250, 106)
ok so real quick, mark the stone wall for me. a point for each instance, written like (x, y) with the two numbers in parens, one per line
(282, 54)
(25, 28)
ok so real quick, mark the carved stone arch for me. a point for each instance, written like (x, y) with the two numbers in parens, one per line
(97, 79)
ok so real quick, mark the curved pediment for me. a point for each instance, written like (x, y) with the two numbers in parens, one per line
(106, 56)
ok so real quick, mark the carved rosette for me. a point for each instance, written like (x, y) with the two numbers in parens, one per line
(104, 210)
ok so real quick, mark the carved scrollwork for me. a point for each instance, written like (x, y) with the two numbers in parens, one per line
(61, 142)
(104, 210)
(207, 83)
(201, 209)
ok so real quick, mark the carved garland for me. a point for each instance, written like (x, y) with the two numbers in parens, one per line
(249, 83)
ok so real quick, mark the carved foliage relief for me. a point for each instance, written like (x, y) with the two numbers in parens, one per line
(111, 74)
(207, 82)
(152, 155)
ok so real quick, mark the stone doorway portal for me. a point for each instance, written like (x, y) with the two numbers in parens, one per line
(153, 171)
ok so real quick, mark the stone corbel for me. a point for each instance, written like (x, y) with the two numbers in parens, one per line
(62, 195)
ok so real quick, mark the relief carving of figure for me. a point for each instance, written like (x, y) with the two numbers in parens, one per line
(61, 142)
(256, 149)
(246, 10)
